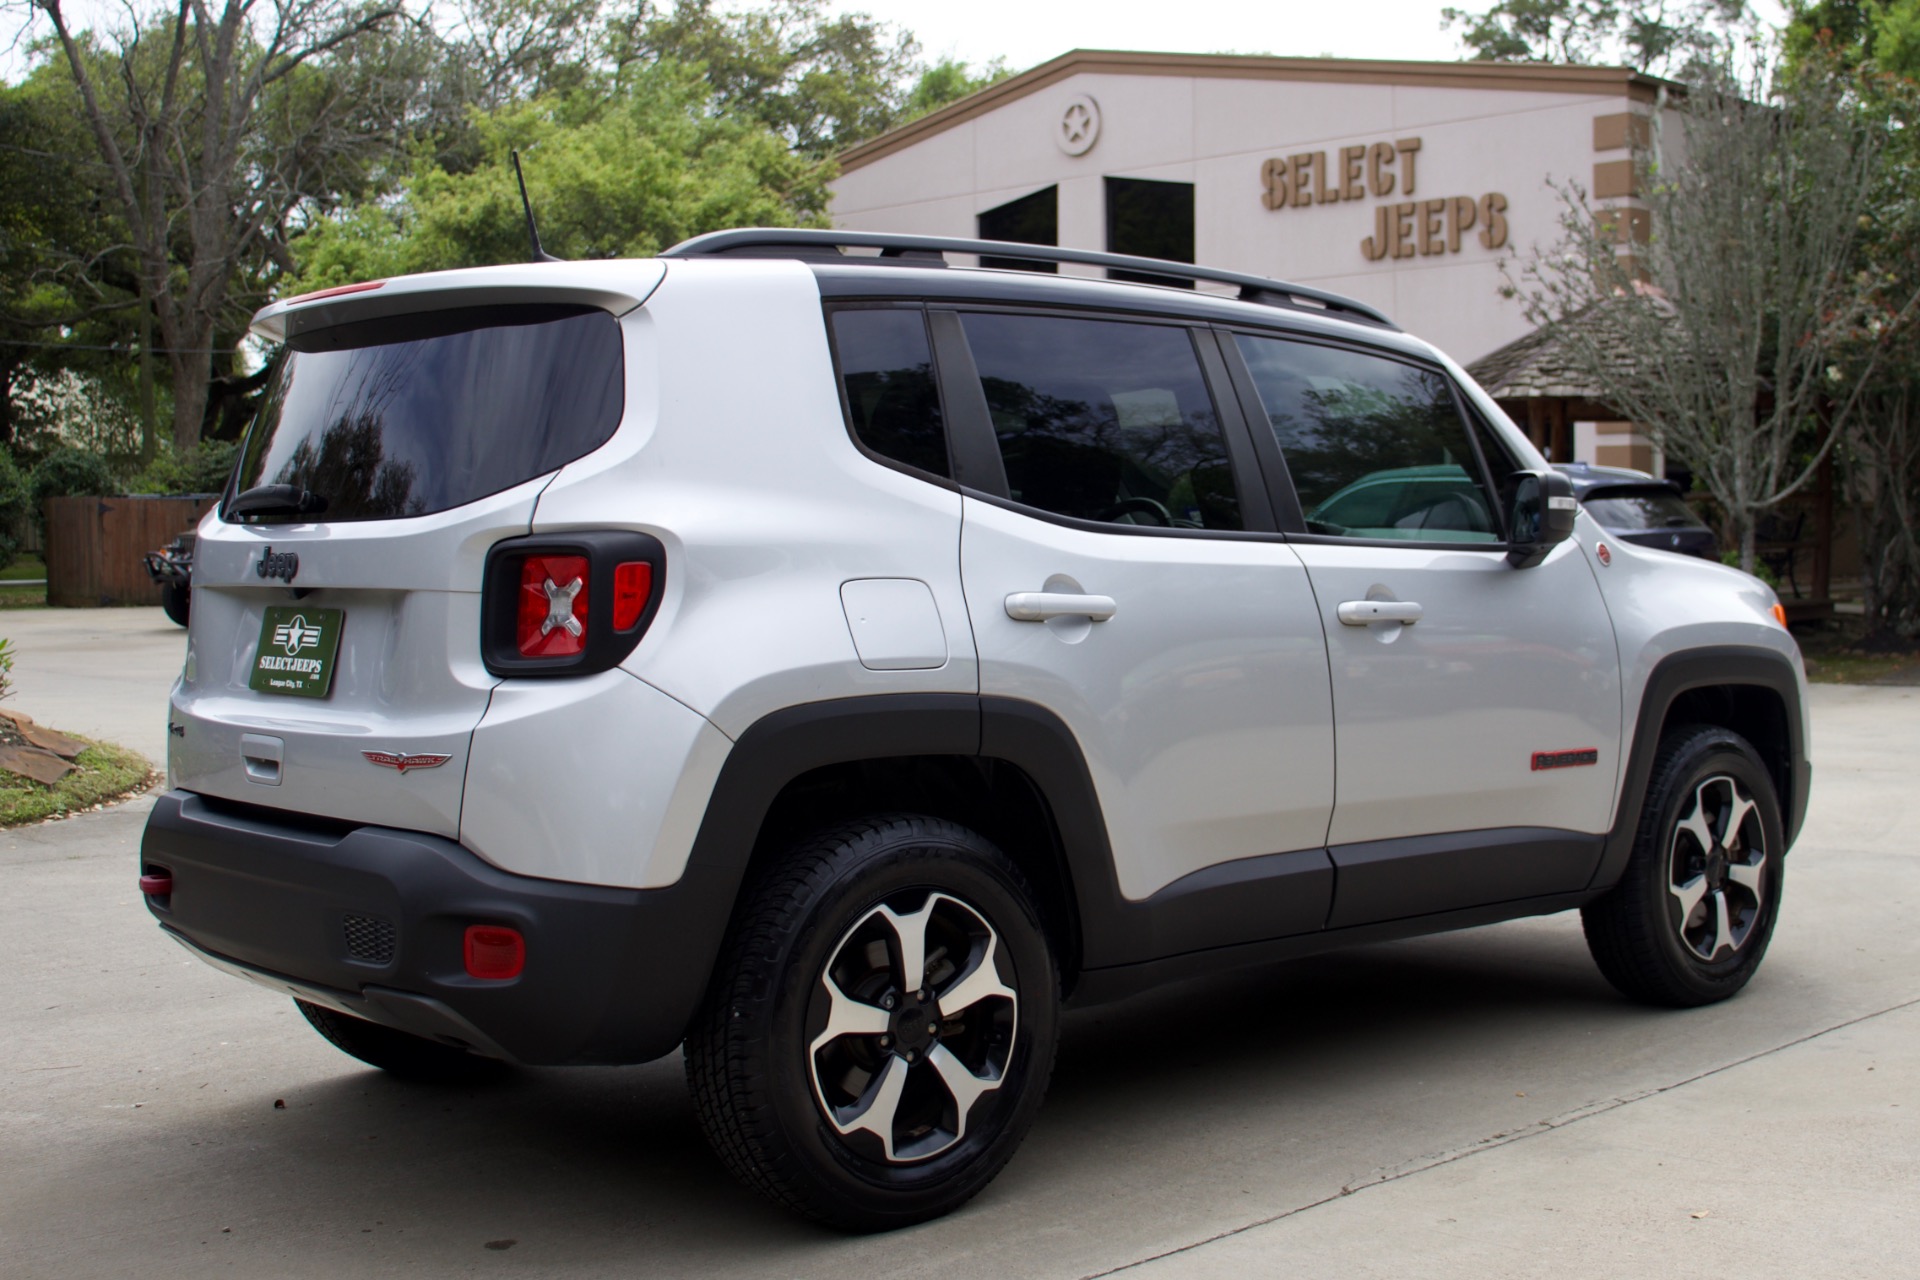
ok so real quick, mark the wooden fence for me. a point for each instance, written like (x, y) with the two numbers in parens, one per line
(95, 546)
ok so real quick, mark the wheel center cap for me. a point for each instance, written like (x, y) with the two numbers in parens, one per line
(915, 1026)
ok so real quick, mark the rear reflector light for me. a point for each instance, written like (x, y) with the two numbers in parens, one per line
(156, 884)
(553, 606)
(632, 585)
(495, 952)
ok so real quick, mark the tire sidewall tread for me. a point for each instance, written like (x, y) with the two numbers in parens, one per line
(752, 1090)
(1628, 930)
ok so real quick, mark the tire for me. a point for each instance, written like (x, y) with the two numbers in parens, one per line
(398, 1053)
(821, 942)
(1691, 918)
(176, 598)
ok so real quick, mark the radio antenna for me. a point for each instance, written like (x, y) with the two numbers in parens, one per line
(533, 232)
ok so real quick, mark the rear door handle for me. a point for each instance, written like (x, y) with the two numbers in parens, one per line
(1359, 613)
(1038, 606)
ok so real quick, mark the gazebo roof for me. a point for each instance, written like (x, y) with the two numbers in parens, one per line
(1532, 367)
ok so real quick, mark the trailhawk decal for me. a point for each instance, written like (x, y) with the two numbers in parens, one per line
(296, 651)
(402, 763)
(1565, 759)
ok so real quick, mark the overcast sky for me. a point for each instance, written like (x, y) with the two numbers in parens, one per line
(1028, 32)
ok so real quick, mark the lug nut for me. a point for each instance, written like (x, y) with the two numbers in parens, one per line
(933, 1028)
(886, 1042)
(887, 1001)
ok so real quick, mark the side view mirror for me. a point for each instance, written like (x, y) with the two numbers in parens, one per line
(1540, 512)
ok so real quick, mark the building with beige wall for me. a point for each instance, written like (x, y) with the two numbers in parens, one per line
(1418, 187)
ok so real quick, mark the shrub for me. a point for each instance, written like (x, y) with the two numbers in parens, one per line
(202, 469)
(68, 473)
(14, 503)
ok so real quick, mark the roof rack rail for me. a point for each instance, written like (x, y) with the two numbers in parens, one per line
(909, 250)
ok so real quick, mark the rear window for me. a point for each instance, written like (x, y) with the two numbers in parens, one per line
(409, 415)
(1633, 510)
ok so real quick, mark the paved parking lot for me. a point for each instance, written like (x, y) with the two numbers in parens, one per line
(1479, 1104)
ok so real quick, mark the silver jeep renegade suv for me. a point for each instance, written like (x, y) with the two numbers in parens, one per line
(835, 663)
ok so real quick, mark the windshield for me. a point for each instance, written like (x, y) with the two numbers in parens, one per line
(409, 415)
(1641, 509)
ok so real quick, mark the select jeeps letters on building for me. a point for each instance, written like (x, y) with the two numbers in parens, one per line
(836, 664)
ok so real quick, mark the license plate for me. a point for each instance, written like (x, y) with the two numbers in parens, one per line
(296, 651)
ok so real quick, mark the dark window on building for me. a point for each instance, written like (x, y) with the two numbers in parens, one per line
(1150, 220)
(1033, 219)
(886, 367)
(1104, 420)
(1375, 446)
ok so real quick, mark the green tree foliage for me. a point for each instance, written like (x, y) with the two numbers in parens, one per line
(949, 80)
(619, 176)
(15, 499)
(67, 473)
(65, 284)
(1681, 39)
(1875, 45)
(821, 81)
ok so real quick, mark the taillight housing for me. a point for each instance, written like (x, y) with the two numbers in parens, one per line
(570, 604)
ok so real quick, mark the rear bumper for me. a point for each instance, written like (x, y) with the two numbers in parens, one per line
(612, 975)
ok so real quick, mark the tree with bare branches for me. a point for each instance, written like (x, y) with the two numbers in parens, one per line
(218, 130)
(1718, 334)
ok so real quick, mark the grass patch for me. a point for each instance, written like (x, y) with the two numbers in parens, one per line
(105, 772)
(1837, 651)
(24, 566)
(1863, 668)
(22, 597)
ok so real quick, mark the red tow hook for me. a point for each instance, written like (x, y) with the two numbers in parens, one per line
(156, 884)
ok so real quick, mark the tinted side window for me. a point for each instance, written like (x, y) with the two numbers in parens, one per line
(1376, 447)
(1104, 420)
(886, 366)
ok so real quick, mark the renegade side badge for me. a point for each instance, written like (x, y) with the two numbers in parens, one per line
(1565, 759)
(402, 763)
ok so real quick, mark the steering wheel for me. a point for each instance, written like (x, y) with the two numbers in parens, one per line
(1139, 506)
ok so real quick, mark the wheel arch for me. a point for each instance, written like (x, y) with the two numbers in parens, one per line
(1754, 692)
(1010, 770)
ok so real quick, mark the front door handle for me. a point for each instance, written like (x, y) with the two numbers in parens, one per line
(1038, 606)
(1359, 613)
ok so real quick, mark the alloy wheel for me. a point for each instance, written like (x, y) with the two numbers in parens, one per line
(911, 1023)
(1716, 879)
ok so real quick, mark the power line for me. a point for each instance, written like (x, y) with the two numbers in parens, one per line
(127, 351)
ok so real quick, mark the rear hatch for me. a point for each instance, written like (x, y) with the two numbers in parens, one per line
(1651, 515)
(333, 660)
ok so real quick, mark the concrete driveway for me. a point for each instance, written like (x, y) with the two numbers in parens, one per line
(101, 672)
(1478, 1104)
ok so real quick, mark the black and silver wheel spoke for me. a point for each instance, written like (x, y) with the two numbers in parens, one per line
(1717, 877)
(915, 1024)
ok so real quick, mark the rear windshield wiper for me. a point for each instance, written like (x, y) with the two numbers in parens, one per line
(275, 500)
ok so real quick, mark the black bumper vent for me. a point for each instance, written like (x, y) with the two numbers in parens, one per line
(369, 940)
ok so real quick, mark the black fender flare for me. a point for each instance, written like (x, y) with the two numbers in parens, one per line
(1678, 673)
(1247, 900)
